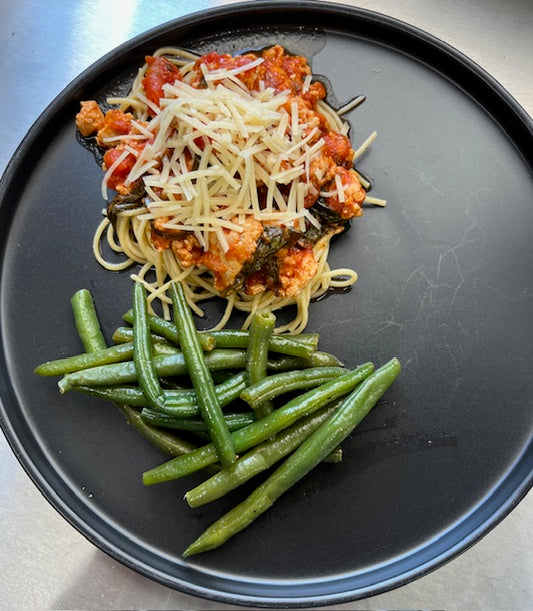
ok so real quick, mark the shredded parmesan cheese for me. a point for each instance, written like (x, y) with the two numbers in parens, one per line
(340, 188)
(240, 139)
(220, 152)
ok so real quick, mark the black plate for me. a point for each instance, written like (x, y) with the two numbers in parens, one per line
(446, 277)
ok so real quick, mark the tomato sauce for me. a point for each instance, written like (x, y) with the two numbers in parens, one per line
(281, 72)
(160, 71)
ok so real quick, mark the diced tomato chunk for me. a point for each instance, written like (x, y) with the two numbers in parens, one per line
(115, 123)
(159, 72)
(121, 172)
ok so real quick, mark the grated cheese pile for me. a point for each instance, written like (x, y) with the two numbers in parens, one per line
(239, 139)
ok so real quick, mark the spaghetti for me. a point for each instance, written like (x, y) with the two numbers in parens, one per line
(232, 175)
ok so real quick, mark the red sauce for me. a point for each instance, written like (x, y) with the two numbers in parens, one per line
(282, 73)
(338, 147)
(121, 172)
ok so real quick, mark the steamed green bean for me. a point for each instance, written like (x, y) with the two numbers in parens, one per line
(233, 421)
(288, 381)
(89, 330)
(201, 377)
(261, 329)
(179, 403)
(165, 365)
(263, 428)
(259, 458)
(166, 376)
(302, 345)
(311, 452)
(142, 350)
(86, 321)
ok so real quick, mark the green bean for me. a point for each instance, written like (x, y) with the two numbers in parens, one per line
(288, 381)
(261, 329)
(335, 456)
(293, 345)
(106, 356)
(259, 458)
(165, 365)
(142, 350)
(201, 377)
(317, 359)
(262, 429)
(128, 395)
(218, 359)
(123, 335)
(312, 451)
(160, 349)
(115, 354)
(178, 403)
(86, 321)
(233, 421)
(167, 330)
(227, 392)
(302, 345)
(165, 441)
(323, 359)
(88, 328)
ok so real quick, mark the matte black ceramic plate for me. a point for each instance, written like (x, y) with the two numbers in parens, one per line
(446, 277)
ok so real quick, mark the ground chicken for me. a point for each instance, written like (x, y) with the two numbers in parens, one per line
(225, 266)
(321, 171)
(296, 268)
(354, 194)
(187, 250)
(255, 284)
(90, 118)
(308, 119)
(338, 147)
(160, 242)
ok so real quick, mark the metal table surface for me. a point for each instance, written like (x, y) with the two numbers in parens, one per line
(47, 564)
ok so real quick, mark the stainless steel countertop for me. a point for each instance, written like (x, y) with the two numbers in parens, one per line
(47, 564)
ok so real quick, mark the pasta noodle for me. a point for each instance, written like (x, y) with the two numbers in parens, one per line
(221, 153)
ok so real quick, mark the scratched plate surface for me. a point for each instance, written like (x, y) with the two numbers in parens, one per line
(445, 283)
